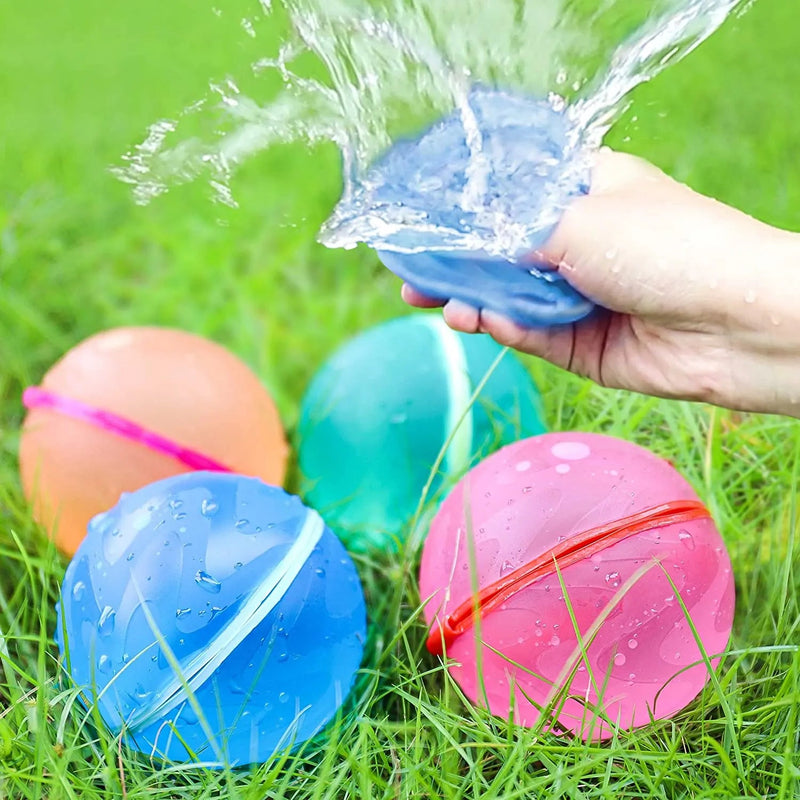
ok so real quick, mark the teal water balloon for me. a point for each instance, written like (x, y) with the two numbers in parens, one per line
(212, 618)
(377, 414)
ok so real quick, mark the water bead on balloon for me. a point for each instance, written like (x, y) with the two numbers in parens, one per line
(212, 618)
(458, 212)
(130, 406)
(581, 525)
(377, 414)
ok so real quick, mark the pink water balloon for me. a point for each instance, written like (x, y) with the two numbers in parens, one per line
(588, 569)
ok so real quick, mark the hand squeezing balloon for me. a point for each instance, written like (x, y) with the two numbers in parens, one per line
(457, 212)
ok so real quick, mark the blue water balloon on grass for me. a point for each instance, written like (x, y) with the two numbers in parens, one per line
(212, 618)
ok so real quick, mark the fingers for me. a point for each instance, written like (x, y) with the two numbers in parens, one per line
(415, 298)
(462, 317)
(555, 344)
(613, 171)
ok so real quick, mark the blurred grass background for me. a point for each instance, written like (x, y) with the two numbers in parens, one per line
(80, 83)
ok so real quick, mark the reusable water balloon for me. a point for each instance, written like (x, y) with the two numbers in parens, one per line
(130, 406)
(458, 212)
(376, 415)
(212, 618)
(577, 533)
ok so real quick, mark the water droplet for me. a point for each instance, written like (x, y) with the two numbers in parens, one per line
(129, 557)
(611, 254)
(283, 633)
(205, 581)
(687, 539)
(182, 612)
(104, 663)
(238, 565)
(619, 659)
(555, 641)
(208, 508)
(283, 697)
(562, 469)
(527, 490)
(398, 419)
(633, 644)
(105, 625)
(538, 632)
(571, 451)
(320, 572)
(506, 567)
(523, 466)
(613, 579)
(750, 297)
(283, 657)
(140, 693)
(188, 716)
(78, 591)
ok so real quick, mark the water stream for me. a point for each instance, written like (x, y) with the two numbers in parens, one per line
(364, 75)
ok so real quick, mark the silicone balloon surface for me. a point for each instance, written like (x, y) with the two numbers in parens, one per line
(214, 618)
(130, 406)
(377, 414)
(578, 531)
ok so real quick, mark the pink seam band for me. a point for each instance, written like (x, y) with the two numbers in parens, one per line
(35, 397)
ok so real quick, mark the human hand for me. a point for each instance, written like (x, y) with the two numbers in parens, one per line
(697, 300)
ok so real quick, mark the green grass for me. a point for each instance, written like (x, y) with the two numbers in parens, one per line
(79, 83)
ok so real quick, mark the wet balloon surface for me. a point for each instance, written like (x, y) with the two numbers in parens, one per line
(213, 616)
(377, 414)
(634, 603)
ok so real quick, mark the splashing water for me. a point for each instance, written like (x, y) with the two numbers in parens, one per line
(365, 74)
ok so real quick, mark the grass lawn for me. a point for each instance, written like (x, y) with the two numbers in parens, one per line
(79, 84)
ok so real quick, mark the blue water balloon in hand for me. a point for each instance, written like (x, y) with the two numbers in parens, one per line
(212, 618)
(458, 212)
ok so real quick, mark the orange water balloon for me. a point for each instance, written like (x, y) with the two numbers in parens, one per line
(131, 406)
